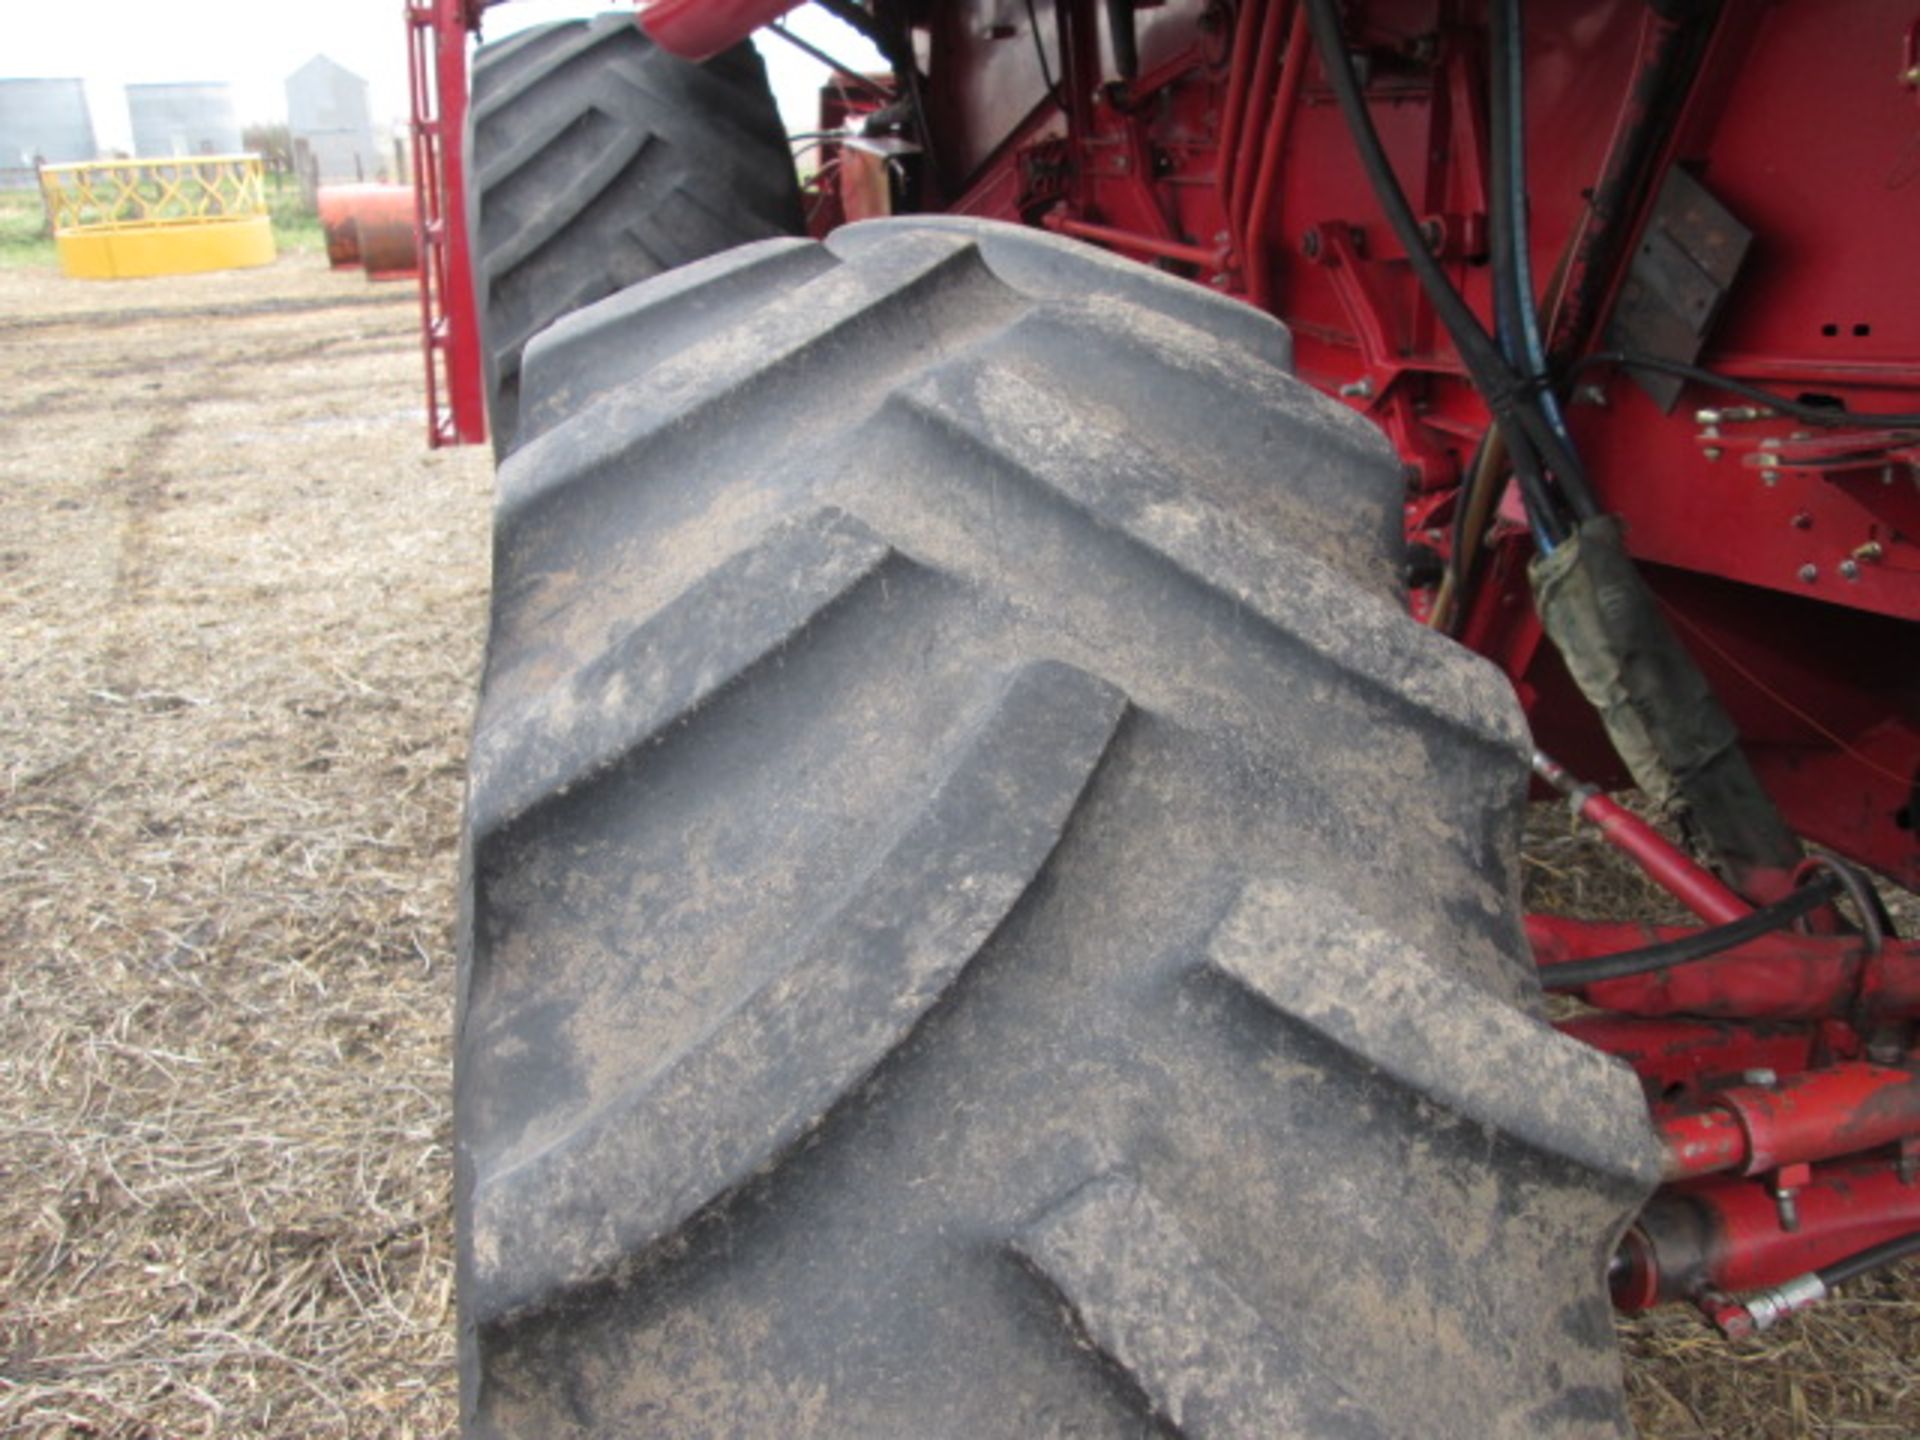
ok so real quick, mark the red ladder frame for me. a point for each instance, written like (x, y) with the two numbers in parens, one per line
(450, 329)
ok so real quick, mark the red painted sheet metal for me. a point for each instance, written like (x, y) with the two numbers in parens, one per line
(701, 29)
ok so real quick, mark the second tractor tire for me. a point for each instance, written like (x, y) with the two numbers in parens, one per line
(596, 160)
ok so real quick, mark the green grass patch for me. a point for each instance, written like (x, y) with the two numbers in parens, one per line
(296, 229)
(24, 237)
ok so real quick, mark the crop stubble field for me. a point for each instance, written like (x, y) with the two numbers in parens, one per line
(240, 619)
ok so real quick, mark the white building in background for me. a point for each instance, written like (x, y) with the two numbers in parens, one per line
(42, 122)
(183, 118)
(331, 124)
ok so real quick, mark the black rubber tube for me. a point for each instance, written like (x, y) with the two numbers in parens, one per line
(1872, 1258)
(1040, 52)
(1124, 36)
(1519, 313)
(1503, 193)
(1700, 945)
(1506, 202)
(1527, 433)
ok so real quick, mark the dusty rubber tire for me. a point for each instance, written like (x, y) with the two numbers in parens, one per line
(599, 160)
(984, 917)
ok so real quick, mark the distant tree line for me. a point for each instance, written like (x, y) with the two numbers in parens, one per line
(273, 144)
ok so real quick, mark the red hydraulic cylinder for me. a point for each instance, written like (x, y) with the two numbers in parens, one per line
(1680, 1058)
(1665, 863)
(1669, 867)
(1784, 976)
(1814, 1116)
(1137, 244)
(1727, 1235)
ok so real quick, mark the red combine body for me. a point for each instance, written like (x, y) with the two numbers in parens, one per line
(1659, 313)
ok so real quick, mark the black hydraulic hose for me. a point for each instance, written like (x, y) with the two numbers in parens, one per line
(1502, 244)
(1873, 1258)
(1040, 51)
(1123, 35)
(845, 72)
(1513, 258)
(1822, 415)
(1700, 945)
(1530, 441)
(1543, 515)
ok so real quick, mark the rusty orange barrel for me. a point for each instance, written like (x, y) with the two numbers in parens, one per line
(339, 222)
(389, 243)
(370, 226)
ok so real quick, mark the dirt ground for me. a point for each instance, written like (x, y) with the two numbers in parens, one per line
(240, 611)
(240, 614)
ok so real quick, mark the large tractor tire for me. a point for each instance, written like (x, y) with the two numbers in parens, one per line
(984, 916)
(600, 160)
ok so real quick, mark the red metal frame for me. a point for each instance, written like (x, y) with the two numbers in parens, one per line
(1225, 161)
(450, 328)
(701, 29)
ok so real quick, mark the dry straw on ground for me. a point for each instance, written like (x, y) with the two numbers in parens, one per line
(239, 615)
(240, 612)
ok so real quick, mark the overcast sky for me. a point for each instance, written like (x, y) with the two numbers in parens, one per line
(256, 44)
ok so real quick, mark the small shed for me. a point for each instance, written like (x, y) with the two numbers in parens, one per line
(331, 124)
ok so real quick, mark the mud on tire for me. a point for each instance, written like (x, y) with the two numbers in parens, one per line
(984, 916)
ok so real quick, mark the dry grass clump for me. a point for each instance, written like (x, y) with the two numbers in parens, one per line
(1848, 1368)
(239, 619)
